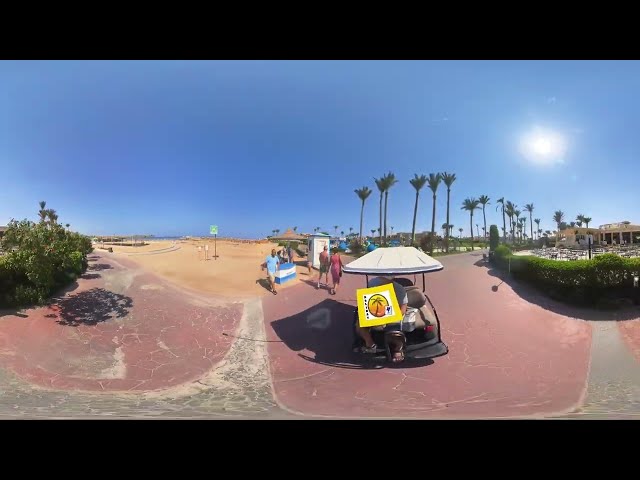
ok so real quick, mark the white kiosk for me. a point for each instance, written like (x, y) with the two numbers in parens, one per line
(316, 244)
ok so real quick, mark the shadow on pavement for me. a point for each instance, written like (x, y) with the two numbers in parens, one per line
(96, 267)
(90, 276)
(326, 330)
(537, 297)
(91, 307)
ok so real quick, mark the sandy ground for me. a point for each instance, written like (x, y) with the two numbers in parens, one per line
(236, 273)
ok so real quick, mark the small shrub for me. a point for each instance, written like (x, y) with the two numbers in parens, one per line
(494, 238)
(427, 242)
(356, 247)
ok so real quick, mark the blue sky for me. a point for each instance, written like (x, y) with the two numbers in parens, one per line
(169, 148)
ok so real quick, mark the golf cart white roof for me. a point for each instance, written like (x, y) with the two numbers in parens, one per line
(394, 261)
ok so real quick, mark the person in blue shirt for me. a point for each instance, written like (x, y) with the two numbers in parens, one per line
(272, 263)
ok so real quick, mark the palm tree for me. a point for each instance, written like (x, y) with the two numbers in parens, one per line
(537, 220)
(277, 231)
(509, 209)
(470, 204)
(587, 221)
(484, 201)
(350, 230)
(529, 208)
(448, 179)
(389, 181)
(558, 217)
(460, 230)
(342, 233)
(373, 231)
(67, 225)
(43, 212)
(523, 222)
(416, 182)
(504, 222)
(579, 223)
(295, 229)
(363, 193)
(273, 232)
(477, 231)
(516, 215)
(335, 227)
(53, 216)
(391, 231)
(572, 224)
(381, 184)
(434, 181)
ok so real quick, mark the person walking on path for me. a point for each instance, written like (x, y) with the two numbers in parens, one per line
(272, 263)
(324, 266)
(336, 270)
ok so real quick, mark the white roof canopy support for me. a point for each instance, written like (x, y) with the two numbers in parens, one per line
(394, 261)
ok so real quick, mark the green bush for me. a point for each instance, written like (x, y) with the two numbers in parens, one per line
(579, 281)
(494, 238)
(427, 242)
(41, 258)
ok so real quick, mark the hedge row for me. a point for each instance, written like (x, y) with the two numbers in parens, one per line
(585, 281)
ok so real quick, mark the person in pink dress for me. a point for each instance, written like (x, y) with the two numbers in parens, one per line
(336, 270)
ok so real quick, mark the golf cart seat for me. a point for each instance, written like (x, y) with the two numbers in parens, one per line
(418, 301)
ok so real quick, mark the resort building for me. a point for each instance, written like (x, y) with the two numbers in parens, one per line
(621, 233)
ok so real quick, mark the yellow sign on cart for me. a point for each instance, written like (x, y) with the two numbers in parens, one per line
(378, 306)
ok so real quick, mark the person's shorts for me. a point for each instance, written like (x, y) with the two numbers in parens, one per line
(324, 269)
(271, 277)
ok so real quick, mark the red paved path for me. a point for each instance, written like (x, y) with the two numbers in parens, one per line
(630, 331)
(507, 357)
(130, 330)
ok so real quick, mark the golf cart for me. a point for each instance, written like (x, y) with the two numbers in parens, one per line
(418, 334)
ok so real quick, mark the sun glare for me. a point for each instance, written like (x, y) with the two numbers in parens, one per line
(543, 147)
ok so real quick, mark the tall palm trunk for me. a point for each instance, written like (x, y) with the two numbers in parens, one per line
(504, 226)
(380, 229)
(531, 223)
(415, 215)
(484, 216)
(471, 225)
(446, 240)
(386, 199)
(433, 219)
(361, 219)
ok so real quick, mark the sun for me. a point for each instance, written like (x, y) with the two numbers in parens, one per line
(543, 147)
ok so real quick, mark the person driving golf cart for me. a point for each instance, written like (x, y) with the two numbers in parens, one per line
(364, 332)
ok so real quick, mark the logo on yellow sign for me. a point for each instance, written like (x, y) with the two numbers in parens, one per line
(378, 306)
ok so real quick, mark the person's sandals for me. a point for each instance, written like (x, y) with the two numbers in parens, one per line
(274, 292)
(397, 356)
(372, 349)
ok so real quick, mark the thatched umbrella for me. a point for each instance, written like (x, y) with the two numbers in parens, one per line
(288, 235)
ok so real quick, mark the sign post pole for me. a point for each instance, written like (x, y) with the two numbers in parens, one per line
(213, 230)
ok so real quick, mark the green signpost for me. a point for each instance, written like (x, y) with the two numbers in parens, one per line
(213, 230)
